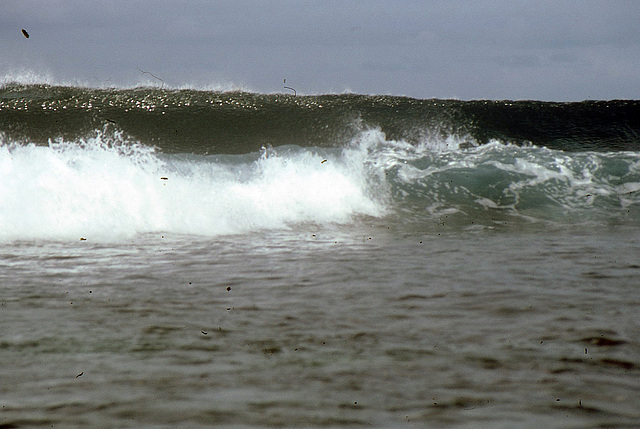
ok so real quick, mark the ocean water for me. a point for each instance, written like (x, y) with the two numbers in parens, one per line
(197, 258)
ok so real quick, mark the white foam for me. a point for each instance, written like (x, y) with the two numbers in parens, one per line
(105, 191)
(141, 80)
(26, 77)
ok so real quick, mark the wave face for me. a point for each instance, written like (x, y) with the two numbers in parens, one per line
(113, 163)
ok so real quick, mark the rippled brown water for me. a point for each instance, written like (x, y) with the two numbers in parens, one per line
(325, 328)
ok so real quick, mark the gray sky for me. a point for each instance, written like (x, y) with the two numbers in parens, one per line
(498, 49)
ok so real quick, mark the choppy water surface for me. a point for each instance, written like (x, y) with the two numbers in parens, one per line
(326, 327)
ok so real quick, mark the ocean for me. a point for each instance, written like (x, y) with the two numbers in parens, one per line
(197, 258)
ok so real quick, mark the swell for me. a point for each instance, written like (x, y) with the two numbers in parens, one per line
(209, 122)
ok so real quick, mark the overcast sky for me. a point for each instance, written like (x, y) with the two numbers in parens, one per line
(499, 49)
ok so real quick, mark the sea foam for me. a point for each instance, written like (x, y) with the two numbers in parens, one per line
(101, 190)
